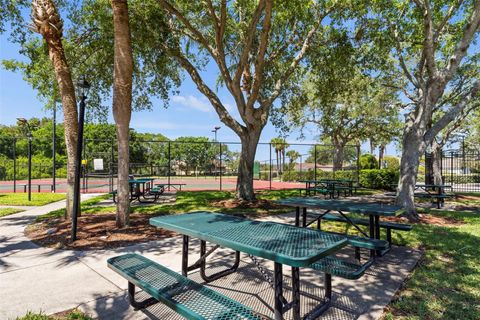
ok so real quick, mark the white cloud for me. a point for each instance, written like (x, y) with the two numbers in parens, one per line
(193, 102)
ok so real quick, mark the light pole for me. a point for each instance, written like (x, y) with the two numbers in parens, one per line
(24, 123)
(215, 130)
(82, 86)
(54, 139)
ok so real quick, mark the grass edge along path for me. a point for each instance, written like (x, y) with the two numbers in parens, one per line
(66, 315)
(8, 211)
(21, 199)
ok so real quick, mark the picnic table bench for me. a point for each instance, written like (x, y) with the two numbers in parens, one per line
(39, 185)
(187, 297)
(435, 192)
(176, 186)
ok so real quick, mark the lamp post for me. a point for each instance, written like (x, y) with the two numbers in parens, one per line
(82, 86)
(54, 142)
(215, 130)
(24, 123)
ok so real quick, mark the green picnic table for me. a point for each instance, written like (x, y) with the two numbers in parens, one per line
(373, 210)
(283, 244)
(140, 190)
(434, 191)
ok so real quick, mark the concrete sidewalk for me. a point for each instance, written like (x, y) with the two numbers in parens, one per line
(40, 279)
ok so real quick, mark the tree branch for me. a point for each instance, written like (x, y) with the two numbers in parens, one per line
(248, 42)
(451, 10)
(452, 113)
(222, 112)
(260, 59)
(461, 49)
(295, 61)
(199, 37)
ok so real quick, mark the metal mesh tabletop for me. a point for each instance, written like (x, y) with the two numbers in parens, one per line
(281, 243)
(378, 209)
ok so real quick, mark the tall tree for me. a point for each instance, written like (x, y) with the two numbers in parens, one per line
(48, 23)
(431, 41)
(346, 116)
(122, 104)
(257, 47)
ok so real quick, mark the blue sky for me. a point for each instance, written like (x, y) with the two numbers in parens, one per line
(189, 114)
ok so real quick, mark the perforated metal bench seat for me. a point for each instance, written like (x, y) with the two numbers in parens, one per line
(340, 268)
(188, 298)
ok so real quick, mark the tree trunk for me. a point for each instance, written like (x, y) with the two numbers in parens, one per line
(70, 114)
(437, 163)
(47, 22)
(122, 104)
(372, 146)
(381, 152)
(249, 141)
(412, 149)
(338, 155)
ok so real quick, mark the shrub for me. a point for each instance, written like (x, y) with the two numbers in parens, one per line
(392, 163)
(368, 161)
(378, 178)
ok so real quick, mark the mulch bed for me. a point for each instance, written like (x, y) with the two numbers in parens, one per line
(428, 219)
(96, 231)
(241, 204)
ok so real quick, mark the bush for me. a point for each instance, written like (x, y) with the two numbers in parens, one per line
(368, 161)
(378, 178)
(392, 163)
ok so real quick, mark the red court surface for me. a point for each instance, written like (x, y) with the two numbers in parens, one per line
(102, 185)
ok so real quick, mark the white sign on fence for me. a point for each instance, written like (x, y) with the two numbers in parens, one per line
(97, 164)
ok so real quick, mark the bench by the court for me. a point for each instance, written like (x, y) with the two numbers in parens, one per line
(39, 185)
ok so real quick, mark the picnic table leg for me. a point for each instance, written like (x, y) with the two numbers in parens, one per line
(185, 256)
(371, 224)
(220, 274)
(304, 217)
(297, 217)
(278, 281)
(377, 231)
(296, 292)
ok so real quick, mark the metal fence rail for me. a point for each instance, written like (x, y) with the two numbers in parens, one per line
(461, 169)
(201, 165)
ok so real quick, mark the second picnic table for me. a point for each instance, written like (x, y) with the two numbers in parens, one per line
(373, 210)
(280, 243)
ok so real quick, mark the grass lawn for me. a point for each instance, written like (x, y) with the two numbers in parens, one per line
(21, 199)
(68, 315)
(7, 211)
(186, 201)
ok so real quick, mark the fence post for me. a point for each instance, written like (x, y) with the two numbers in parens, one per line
(220, 166)
(169, 163)
(111, 165)
(270, 167)
(451, 167)
(14, 165)
(358, 163)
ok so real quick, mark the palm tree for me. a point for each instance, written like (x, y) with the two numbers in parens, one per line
(47, 22)
(280, 145)
(122, 104)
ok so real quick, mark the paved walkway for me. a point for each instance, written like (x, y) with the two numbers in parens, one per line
(40, 279)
